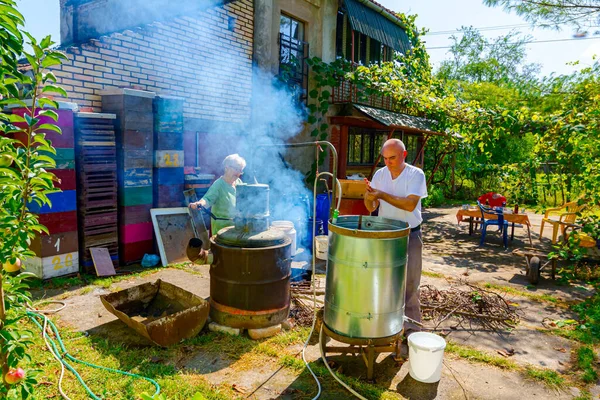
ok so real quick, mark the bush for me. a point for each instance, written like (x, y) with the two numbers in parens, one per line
(435, 197)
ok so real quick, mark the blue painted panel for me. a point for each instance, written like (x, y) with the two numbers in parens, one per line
(168, 176)
(133, 177)
(61, 202)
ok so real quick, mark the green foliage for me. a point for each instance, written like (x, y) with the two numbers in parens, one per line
(585, 361)
(553, 13)
(435, 197)
(589, 316)
(23, 179)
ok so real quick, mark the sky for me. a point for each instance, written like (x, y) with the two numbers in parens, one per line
(43, 18)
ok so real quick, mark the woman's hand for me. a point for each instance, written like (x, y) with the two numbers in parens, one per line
(194, 206)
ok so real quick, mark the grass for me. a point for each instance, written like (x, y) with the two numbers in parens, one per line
(471, 354)
(433, 274)
(541, 298)
(548, 376)
(165, 366)
(585, 362)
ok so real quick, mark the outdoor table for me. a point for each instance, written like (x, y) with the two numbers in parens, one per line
(473, 213)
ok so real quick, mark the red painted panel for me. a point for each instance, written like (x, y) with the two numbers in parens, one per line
(136, 232)
(68, 178)
(131, 252)
(134, 214)
(60, 221)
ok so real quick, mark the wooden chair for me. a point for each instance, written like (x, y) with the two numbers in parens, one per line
(567, 214)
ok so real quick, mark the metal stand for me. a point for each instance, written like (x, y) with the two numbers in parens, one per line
(369, 349)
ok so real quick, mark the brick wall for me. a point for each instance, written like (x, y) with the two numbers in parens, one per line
(195, 57)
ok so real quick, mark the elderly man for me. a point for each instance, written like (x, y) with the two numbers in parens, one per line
(397, 189)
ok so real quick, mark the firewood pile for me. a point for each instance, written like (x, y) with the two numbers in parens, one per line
(464, 304)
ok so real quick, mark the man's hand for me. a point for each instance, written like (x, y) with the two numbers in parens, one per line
(195, 206)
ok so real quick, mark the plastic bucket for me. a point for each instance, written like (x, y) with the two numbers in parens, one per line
(288, 228)
(322, 246)
(425, 356)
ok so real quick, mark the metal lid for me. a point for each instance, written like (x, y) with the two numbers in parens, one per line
(368, 227)
(232, 236)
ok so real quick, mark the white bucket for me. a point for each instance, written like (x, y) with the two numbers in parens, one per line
(321, 246)
(288, 228)
(425, 356)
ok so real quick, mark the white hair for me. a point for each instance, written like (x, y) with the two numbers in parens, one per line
(234, 161)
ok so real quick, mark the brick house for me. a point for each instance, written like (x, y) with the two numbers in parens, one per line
(201, 52)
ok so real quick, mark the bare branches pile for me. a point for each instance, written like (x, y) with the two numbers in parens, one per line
(301, 310)
(467, 304)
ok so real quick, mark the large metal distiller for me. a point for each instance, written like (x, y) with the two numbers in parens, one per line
(366, 277)
(250, 272)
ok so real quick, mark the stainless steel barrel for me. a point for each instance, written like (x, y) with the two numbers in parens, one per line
(366, 276)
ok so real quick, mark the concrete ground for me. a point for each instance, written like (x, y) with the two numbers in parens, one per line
(449, 251)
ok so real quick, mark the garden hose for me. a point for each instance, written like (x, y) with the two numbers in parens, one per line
(37, 316)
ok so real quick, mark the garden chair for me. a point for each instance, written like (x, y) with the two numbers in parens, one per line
(501, 223)
(567, 213)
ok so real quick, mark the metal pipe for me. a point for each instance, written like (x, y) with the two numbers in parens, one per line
(308, 144)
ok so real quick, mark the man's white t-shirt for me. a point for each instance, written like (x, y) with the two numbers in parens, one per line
(410, 181)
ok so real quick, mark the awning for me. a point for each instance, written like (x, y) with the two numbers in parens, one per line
(373, 24)
(389, 118)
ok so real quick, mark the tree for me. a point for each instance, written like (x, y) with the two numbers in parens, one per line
(554, 13)
(25, 157)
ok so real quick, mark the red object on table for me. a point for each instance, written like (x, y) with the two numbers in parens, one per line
(493, 199)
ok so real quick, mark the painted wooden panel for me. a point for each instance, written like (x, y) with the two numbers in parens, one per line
(136, 232)
(166, 105)
(137, 158)
(65, 117)
(61, 202)
(135, 214)
(132, 177)
(137, 120)
(172, 122)
(168, 176)
(168, 141)
(168, 159)
(60, 221)
(168, 196)
(51, 267)
(65, 158)
(134, 196)
(131, 252)
(139, 140)
(68, 178)
(55, 244)
(124, 103)
(58, 140)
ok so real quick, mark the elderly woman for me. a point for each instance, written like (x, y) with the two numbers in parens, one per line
(221, 195)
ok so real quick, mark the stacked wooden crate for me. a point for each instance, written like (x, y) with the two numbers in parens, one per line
(169, 155)
(57, 254)
(96, 185)
(135, 155)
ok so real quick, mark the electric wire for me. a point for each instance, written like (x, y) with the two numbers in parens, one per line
(529, 42)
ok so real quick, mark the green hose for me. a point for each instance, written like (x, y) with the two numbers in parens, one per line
(64, 354)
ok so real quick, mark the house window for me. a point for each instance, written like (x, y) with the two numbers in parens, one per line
(364, 145)
(293, 51)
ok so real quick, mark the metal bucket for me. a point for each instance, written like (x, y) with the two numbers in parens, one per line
(250, 286)
(366, 276)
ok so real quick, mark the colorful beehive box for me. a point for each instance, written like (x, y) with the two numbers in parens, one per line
(135, 161)
(97, 185)
(56, 254)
